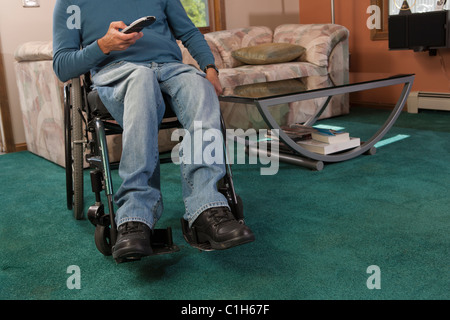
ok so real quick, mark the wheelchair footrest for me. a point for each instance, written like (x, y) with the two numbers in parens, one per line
(162, 243)
(190, 235)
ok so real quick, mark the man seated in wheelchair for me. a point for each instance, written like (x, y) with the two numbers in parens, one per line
(131, 73)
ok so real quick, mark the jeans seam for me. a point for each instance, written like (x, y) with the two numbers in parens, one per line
(122, 101)
(181, 119)
(136, 219)
(159, 201)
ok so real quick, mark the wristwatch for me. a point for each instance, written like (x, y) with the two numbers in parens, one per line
(211, 66)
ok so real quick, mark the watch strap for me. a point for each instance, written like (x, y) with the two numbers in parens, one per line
(211, 66)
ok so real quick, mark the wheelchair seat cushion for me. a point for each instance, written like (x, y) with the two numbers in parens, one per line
(98, 109)
(96, 105)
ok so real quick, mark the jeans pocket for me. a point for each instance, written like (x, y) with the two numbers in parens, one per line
(197, 71)
(108, 74)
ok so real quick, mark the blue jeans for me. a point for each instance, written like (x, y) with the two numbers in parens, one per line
(133, 95)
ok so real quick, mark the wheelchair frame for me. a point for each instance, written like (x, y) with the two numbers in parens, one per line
(78, 113)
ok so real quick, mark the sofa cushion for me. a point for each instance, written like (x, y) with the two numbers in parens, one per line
(222, 43)
(268, 53)
(267, 89)
(232, 77)
(247, 74)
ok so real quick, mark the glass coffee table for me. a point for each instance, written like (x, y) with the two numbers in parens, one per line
(266, 100)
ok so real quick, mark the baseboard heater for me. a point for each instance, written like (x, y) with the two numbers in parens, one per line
(428, 100)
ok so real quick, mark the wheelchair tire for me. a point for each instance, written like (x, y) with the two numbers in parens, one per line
(77, 149)
(103, 240)
(68, 147)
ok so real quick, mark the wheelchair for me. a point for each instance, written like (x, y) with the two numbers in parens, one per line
(87, 123)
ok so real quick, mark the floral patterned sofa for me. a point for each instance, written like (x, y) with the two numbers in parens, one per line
(325, 59)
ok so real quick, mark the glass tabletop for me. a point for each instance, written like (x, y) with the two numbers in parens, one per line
(269, 98)
(273, 89)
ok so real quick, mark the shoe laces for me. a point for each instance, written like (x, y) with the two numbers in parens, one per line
(131, 227)
(221, 215)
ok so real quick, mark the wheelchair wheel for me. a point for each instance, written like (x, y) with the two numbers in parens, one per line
(74, 151)
(103, 240)
(68, 147)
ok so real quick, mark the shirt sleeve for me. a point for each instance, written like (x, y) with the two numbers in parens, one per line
(69, 58)
(185, 30)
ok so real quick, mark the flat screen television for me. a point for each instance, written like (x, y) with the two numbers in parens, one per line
(419, 31)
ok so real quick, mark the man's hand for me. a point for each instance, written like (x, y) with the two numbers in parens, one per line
(114, 40)
(212, 76)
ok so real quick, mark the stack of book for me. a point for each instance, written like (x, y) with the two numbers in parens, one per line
(322, 141)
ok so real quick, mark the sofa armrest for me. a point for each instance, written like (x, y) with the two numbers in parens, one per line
(187, 58)
(34, 51)
(319, 40)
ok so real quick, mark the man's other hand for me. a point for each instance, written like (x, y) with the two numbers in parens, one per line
(114, 40)
(212, 76)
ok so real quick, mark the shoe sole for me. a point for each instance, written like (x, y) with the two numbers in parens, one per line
(226, 244)
(131, 254)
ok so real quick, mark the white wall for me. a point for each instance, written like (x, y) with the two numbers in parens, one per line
(270, 13)
(19, 25)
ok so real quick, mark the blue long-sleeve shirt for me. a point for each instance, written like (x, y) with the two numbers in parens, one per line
(78, 24)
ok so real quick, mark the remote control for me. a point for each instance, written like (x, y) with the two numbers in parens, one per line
(139, 24)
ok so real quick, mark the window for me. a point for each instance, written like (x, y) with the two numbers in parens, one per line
(417, 5)
(207, 15)
(197, 10)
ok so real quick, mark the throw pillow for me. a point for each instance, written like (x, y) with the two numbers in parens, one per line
(268, 53)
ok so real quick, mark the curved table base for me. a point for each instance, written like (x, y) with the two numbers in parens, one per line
(314, 160)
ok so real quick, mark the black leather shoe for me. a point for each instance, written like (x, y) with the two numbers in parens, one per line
(219, 227)
(133, 242)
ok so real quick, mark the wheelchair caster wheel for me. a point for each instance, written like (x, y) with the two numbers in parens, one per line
(103, 240)
(96, 215)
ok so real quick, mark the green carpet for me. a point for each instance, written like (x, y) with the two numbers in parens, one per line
(316, 232)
